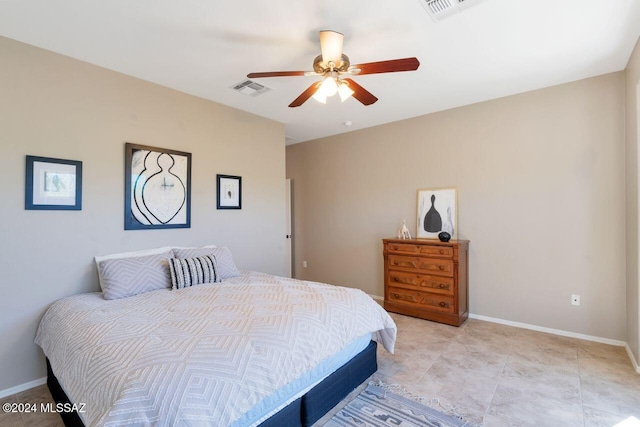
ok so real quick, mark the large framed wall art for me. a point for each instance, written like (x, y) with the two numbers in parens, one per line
(157, 188)
(53, 184)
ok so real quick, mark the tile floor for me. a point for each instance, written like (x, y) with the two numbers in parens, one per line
(495, 374)
(505, 376)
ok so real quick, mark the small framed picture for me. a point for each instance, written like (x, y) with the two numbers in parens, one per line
(437, 212)
(229, 192)
(53, 184)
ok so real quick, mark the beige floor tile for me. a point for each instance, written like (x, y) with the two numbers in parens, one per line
(474, 357)
(597, 418)
(11, 420)
(590, 349)
(444, 373)
(545, 340)
(552, 381)
(487, 329)
(494, 421)
(532, 408)
(610, 396)
(35, 395)
(43, 420)
(545, 352)
(615, 370)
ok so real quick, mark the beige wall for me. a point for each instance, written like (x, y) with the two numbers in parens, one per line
(632, 119)
(54, 106)
(541, 186)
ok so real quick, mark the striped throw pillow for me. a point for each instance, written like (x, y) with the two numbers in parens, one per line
(188, 272)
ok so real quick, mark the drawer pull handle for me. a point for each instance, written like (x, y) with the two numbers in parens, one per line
(395, 262)
(441, 251)
(395, 279)
(395, 248)
(441, 285)
(443, 304)
(441, 267)
(396, 296)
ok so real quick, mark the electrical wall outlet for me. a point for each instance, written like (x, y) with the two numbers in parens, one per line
(575, 299)
(304, 264)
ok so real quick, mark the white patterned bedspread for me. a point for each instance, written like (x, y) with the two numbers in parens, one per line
(203, 355)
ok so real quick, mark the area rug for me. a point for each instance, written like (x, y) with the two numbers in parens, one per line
(377, 407)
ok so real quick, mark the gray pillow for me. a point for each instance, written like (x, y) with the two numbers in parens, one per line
(226, 267)
(125, 277)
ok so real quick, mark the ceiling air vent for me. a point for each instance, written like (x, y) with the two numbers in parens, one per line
(251, 88)
(440, 9)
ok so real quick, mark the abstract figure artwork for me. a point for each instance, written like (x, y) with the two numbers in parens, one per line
(437, 212)
(157, 188)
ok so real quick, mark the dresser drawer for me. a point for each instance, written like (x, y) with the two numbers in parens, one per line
(441, 285)
(421, 299)
(440, 267)
(409, 249)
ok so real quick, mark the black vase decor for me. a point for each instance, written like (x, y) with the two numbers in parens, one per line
(444, 236)
(432, 220)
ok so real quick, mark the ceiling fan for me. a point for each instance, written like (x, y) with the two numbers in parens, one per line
(333, 65)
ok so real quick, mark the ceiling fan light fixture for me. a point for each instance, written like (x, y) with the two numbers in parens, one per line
(329, 86)
(331, 45)
(320, 97)
(344, 91)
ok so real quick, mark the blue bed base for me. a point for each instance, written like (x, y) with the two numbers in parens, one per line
(302, 412)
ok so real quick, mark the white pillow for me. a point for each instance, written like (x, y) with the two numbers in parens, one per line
(135, 254)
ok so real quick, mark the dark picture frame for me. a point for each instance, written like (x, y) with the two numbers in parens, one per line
(53, 184)
(229, 192)
(157, 188)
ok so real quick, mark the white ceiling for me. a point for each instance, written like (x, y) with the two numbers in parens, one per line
(202, 47)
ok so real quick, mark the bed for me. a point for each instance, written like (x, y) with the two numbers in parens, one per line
(255, 349)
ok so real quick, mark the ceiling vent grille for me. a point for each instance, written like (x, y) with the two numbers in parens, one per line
(251, 88)
(440, 9)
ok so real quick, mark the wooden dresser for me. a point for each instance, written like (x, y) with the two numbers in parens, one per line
(427, 278)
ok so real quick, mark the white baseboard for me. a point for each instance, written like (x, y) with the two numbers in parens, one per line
(550, 330)
(633, 359)
(22, 387)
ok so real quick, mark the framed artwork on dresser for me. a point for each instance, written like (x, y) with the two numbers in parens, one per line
(437, 212)
(157, 188)
(53, 184)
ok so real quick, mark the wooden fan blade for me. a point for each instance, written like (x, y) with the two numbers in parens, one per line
(360, 93)
(304, 96)
(275, 74)
(391, 66)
